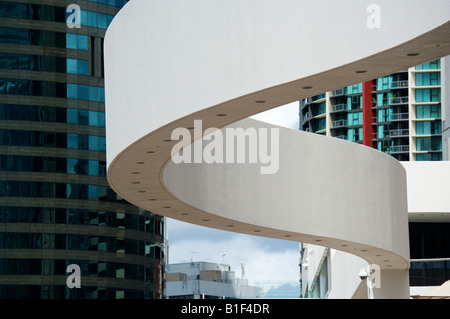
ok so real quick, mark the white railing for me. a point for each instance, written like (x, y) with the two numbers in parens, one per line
(398, 116)
(338, 107)
(401, 132)
(399, 149)
(399, 84)
(339, 123)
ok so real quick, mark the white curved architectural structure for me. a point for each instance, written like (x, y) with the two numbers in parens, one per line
(170, 63)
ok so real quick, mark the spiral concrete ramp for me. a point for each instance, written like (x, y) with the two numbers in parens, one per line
(170, 63)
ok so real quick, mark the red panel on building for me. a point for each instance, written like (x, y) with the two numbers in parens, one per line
(368, 116)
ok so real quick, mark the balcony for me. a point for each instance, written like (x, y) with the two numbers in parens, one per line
(398, 116)
(318, 97)
(338, 123)
(399, 149)
(399, 133)
(339, 92)
(393, 85)
(338, 108)
(399, 84)
(399, 100)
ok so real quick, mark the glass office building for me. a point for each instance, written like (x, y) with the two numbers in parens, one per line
(56, 208)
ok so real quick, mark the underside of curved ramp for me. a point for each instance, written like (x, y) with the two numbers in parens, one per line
(169, 64)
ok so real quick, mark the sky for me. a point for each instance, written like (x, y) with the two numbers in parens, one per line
(269, 263)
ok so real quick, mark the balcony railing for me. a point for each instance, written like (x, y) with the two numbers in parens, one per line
(394, 85)
(399, 100)
(398, 116)
(338, 108)
(399, 149)
(338, 123)
(399, 84)
(399, 133)
(338, 92)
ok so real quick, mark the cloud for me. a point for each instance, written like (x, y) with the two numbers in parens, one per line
(285, 116)
(269, 263)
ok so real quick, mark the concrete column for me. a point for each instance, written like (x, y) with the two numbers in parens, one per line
(394, 284)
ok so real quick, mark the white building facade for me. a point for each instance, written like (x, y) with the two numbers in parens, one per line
(205, 280)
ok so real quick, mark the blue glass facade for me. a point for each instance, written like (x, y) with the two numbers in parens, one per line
(56, 206)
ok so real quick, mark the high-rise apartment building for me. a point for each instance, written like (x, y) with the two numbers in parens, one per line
(399, 114)
(56, 208)
(403, 115)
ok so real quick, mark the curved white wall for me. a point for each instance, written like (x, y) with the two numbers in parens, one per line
(333, 192)
(427, 191)
(168, 63)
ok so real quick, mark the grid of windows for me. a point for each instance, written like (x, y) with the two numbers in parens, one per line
(53, 13)
(19, 163)
(428, 95)
(42, 113)
(391, 101)
(42, 171)
(43, 63)
(57, 190)
(428, 111)
(52, 89)
(51, 139)
(428, 128)
(77, 242)
(17, 266)
(62, 292)
(88, 217)
(117, 3)
(428, 79)
(429, 143)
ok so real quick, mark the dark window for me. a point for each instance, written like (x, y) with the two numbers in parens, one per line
(429, 240)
